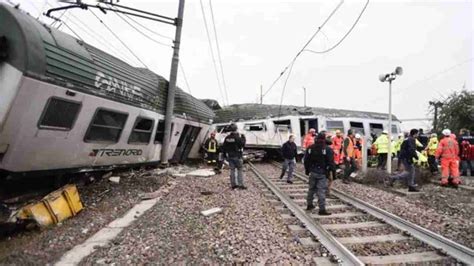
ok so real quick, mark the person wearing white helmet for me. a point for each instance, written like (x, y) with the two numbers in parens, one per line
(448, 153)
(358, 150)
(381, 144)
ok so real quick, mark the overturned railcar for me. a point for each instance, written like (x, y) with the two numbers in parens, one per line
(68, 106)
(267, 127)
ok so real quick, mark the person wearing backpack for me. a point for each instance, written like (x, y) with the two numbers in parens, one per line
(466, 141)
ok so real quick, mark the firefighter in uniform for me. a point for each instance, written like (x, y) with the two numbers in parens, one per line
(431, 151)
(319, 160)
(447, 152)
(211, 146)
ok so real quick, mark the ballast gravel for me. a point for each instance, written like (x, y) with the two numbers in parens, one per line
(247, 230)
(445, 211)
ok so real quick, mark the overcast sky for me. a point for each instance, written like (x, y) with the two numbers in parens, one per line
(431, 40)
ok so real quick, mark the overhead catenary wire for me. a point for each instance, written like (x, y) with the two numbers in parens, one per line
(304, 47)
(139, 31)
(118, 38)
(344, 37)
(284, 87)
(212, 53)
(218, 51)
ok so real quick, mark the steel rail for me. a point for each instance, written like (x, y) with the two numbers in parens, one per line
(451, 248)
(325, 238)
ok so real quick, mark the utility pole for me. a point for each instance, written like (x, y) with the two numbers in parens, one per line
(304, 96)
(436, 105)
(172, 85)
(261, 94)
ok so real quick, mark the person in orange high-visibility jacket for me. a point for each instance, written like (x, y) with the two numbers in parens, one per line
(349, 160)
(336, 146)
(447, 152)
(309, 138)
(358, 150)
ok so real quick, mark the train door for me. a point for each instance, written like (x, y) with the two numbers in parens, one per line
(305, 125)
(185, 143)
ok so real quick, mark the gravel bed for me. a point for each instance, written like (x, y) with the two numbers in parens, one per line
(390, 248)
(41, 246)
(248, 230)
(355, 219)
(369, 231)
(467, 181)
(445, 211)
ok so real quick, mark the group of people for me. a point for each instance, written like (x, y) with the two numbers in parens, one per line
(324, 153)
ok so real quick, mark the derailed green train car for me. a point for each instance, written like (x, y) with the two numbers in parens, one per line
(68, 106)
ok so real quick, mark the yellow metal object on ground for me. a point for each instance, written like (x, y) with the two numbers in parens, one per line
(54, 208)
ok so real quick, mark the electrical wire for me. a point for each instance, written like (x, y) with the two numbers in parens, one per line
(115, 35)
(138, 30)
(304, 47)
(284, 87)
(218, 51)
(344, 37)
(148, 29)
(184, 77)
(212, 53)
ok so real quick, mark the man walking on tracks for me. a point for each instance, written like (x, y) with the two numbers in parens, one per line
(233, 147)
(289, 152)
(319, 159)
(407, 154)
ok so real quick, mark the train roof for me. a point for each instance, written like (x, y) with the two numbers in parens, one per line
(44, 53)
(252, 111)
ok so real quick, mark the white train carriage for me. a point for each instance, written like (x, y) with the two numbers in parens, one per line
(66, 106)
(269, 126)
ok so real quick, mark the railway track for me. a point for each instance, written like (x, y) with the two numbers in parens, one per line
(357, 233)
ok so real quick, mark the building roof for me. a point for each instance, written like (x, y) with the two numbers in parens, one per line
(45, 53)
(252, 111)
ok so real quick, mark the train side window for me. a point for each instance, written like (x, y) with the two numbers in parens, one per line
(357, 127)
(160, 131)
(394, 129)
(141, 132)
(375, 129)
(223, 129)
(282, 126)
(334, 125)
(106, 126)
(255, 127)
(59, 114)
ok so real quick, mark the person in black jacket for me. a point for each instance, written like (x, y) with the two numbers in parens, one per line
(407, 154)
(233, 147)
(289, 152)
(319, 160)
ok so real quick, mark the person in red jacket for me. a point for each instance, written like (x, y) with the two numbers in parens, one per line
(336, 146)
(447, 152)
(309, 138)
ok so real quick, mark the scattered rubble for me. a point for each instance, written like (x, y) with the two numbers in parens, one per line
(114, 179)
(211, 211)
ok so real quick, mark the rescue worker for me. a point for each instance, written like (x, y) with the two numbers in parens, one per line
(211, 148)
(381, 144)
(289, 152)
(466, 142)
(448, 152)
(407, 155)
(336, 146)
(358, 150)
(233, 147)
(431, 151)
(396, 147)
(319, 159)
(309, 138)
(349, 159)
(423, 140)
